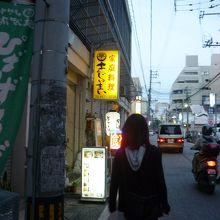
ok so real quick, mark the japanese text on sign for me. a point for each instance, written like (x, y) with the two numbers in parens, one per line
(115, 139)
(106, 75)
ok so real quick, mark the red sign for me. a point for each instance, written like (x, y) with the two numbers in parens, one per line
(115, 139)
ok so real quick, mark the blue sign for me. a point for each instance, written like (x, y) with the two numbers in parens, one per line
(211, 110)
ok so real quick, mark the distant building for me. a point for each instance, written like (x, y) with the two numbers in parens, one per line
(161, 110)
(193, 86)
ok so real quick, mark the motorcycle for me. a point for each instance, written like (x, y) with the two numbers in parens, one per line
(205, 166)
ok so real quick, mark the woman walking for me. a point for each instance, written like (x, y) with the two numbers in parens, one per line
(137, 175)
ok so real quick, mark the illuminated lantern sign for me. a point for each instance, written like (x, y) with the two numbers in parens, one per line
(106, 74)
(115, 139)
(112, 120)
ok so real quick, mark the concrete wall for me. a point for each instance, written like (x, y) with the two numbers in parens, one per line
(78, 71)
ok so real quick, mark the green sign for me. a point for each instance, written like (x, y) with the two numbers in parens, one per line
(16, 41)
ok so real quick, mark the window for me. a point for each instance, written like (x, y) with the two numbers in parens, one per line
(178, 101)
(179, 91)
(205, 73)
(218, 100)
(170, 129)
(191, 73)
(187, 91)
(191, 81)
(205, 100)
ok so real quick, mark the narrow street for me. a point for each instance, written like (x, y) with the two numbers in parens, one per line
(72, 73)
(186, 201)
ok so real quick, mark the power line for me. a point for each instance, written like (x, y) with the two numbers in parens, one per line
(166, 40)
(138, 47)
(197, 3)
(206, 85)
(149, 93)
(160, 92)
(194, 6)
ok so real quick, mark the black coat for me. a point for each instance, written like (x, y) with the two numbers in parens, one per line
(148, 180)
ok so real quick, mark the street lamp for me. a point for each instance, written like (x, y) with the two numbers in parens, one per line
(187, 116)
(212, 104)
(186, 90)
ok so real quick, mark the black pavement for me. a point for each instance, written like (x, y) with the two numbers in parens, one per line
(75, 209)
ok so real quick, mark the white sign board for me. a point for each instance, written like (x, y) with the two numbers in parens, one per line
(93, 173)
(112, 120)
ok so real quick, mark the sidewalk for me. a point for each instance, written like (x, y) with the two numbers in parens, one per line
(74, 209)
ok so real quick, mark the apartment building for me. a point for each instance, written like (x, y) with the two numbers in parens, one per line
(192, 87)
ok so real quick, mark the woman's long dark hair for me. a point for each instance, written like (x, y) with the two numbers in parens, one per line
(135, 132)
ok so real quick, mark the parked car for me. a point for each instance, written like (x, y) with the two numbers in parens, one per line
(170, 136)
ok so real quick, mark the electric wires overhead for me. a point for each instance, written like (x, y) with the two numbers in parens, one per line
(138, 46)
(212, 6)
(196, 5)
(206, 86)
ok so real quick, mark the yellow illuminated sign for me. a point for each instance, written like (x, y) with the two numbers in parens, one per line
(106, 75)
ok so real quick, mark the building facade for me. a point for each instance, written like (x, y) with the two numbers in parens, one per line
(94, 25)
(192, 87)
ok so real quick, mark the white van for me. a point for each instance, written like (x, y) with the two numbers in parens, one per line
(170, 136)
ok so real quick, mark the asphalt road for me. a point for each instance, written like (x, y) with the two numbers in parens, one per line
(186, 200)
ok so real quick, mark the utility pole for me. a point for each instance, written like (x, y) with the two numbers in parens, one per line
(153, 75)
(215, 109)
(182, 110)
(149, 91)
(187, 108)
(149, 97)
(46, 141)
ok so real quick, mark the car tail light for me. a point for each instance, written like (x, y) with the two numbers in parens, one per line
(161, 140)
(180, 140)
(211, 163)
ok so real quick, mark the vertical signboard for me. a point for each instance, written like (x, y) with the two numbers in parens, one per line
(16, 41)
(93, 174)
(106, 75)
(112, 122)
(115, 139)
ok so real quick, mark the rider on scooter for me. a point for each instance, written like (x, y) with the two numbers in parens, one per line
(199, 145)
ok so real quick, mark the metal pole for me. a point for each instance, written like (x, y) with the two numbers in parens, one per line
(187, 119)
(216, 120)
(182, 110)
(187, 109)
(149, 93)
(45, 157)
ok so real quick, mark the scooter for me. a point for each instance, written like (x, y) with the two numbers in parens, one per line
(205, 166)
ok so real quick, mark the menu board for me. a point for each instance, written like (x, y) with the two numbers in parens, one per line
(93, 173)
